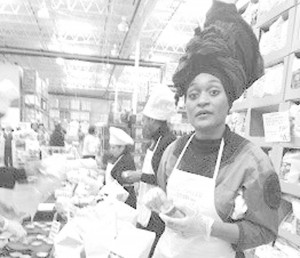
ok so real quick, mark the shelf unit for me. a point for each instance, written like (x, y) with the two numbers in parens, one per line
(37, 89)
(289, 188)
(266, 18)
(294, 239)
(296, 39)
(255, 107)
(242, 4)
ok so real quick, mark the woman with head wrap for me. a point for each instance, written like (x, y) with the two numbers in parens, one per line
(224, 186)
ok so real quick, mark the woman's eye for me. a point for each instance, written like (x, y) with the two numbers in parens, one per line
(192, 96)
(214, 92)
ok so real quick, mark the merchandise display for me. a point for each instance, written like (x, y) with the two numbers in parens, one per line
(296, 74)
(237, 121)
(108, 65)
(266, 5)
(276, 96)
(270, 83)
(290, 168)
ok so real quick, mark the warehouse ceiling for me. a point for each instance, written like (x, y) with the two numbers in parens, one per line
(91, 44)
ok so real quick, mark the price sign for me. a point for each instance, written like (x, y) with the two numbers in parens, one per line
(277, 127)
(55, 227)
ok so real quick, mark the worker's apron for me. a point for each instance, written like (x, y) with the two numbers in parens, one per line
(144, 213)
(109, 168)
(198, 193)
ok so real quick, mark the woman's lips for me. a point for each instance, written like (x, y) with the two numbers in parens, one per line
(203, 113)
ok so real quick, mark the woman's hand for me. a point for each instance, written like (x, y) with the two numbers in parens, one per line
(15, 228)
(154, 199)
(191, 225)
(131, 176)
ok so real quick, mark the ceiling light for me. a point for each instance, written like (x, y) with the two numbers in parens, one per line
(59, 61)
(43, 12)
(114, 51)
(74, 27)
(123, 25)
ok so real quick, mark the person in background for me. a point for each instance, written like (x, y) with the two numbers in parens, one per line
(8, 137)
(57, 138)
(224, 188)
(43, 136)
(158, 110)
(91, 144)
(9, 175)
(120, 143)
(35, 126)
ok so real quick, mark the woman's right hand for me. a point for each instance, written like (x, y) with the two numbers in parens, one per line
(131, 176)
(15, 228)
(155, 199)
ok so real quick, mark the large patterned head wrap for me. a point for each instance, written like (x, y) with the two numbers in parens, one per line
(226, 48)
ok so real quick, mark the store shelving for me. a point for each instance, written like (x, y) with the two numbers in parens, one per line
(289, 15)
(241, 105)
(296, 39)
(266, 18)
(294, 143)
(294, 239)
(289, 188)
(242, 5)
(256, 106)
(291, 93)
(34, 98)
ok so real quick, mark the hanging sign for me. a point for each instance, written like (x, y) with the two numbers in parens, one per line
(277, 127)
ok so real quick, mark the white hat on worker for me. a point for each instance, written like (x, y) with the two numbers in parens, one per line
(8, 92)
(119, 137)
(161, 104)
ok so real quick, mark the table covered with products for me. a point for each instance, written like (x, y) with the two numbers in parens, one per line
(85, 219)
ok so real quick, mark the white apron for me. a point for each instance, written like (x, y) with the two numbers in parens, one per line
(144, 213)
(109, 168)
(198, 193)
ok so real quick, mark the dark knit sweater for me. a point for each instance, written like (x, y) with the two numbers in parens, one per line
(201, 155)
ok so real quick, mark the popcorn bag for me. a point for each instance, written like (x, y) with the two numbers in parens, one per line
(68, 242)
(115, 190)
(106, 230)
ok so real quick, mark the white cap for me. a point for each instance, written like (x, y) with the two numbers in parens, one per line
(119, 137)
(8, 92)
(161, 104)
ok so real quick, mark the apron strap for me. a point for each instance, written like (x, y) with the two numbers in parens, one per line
(218, 163)
(156, 145)
(183, 150)
(113, 165)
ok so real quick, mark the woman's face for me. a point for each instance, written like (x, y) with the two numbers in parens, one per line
(150, 126)
(116, 150)
(206, 103)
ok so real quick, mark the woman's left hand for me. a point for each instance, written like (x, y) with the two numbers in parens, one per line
(193, 224)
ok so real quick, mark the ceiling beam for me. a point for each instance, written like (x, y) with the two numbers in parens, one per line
(85, 58)
(95, 94)
(142, 12)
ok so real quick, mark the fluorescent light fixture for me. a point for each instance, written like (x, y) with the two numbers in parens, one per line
(74, 27)
(123, 25)
(172, 37)
(59, 61)
(43, 12)
(114, 51)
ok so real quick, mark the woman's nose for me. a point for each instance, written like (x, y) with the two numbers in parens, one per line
(203, 99)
